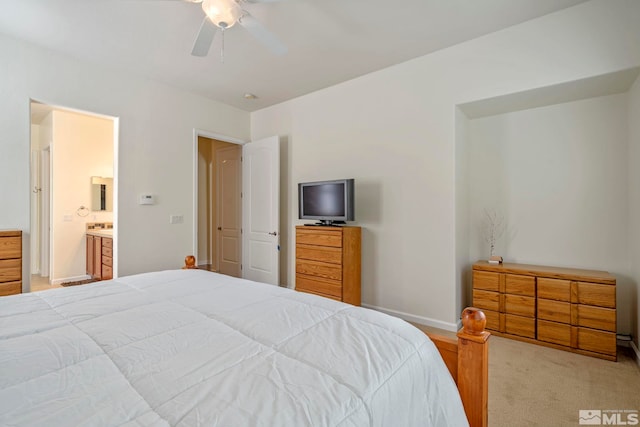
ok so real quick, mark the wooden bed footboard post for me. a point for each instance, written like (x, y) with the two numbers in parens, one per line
(473, 366)
(189, 262)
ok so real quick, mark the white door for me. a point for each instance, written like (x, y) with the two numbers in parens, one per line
(261, 210)
(36, 194)
(229, 210)
(45, 218)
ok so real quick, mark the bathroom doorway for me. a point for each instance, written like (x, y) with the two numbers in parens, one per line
(70, 149)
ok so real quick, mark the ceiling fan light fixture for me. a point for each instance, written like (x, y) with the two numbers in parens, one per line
(223, 13)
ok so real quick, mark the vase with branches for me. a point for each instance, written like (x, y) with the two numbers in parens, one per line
(493, 228)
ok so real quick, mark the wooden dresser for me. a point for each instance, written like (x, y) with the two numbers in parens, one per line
(328, 262)
(563, 308)
(10, 262)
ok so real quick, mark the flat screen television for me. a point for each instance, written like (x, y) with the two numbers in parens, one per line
(330, 202)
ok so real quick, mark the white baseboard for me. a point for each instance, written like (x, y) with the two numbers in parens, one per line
(452, 327)
(636, 351)
(70, 279)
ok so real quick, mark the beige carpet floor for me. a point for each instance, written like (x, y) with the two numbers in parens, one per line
(531, 385)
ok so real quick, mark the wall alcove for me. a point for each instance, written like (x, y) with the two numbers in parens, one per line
(554, 162)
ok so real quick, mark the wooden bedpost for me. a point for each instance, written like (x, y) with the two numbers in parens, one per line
(467, 358)
(189, 262)
(473, 366)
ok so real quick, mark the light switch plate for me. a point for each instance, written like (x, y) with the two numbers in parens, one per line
(176, 219)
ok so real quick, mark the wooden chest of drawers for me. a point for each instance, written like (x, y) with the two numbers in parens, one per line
(328, 262)
(10, 262)
(563, 308)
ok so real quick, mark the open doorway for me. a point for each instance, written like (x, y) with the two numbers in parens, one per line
(219, 206)
(256, 242)
(70, 150)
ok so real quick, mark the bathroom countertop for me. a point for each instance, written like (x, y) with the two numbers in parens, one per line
(107, 232)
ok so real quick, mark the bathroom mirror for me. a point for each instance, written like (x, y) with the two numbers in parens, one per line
(101, 194)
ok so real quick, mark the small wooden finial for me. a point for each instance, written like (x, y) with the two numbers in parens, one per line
(189, 262)
(473, 321)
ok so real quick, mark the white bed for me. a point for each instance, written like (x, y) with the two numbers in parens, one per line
(194, 348)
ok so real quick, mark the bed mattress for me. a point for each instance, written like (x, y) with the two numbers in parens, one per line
(194, 348)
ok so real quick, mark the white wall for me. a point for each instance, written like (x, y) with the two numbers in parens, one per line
(462, 229)
(394, 132)
(634, 203)
(155, 153)
(45, 132)
(558, 175)
(82, 147)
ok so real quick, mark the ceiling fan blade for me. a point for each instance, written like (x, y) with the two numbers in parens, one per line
(204, 39)
(263, 35)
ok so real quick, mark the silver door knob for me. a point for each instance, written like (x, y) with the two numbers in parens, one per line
(275, 233)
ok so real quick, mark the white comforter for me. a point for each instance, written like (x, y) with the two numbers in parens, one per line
(193, 348)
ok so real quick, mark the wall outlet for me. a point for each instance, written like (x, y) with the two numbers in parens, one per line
(176, 219)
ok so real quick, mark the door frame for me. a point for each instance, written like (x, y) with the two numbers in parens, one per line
(211, 135)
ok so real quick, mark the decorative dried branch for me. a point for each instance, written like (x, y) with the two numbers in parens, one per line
(493, 228)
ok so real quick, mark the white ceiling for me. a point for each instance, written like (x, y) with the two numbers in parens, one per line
(329, 41)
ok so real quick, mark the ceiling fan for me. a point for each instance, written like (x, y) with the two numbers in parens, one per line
(224, 14)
